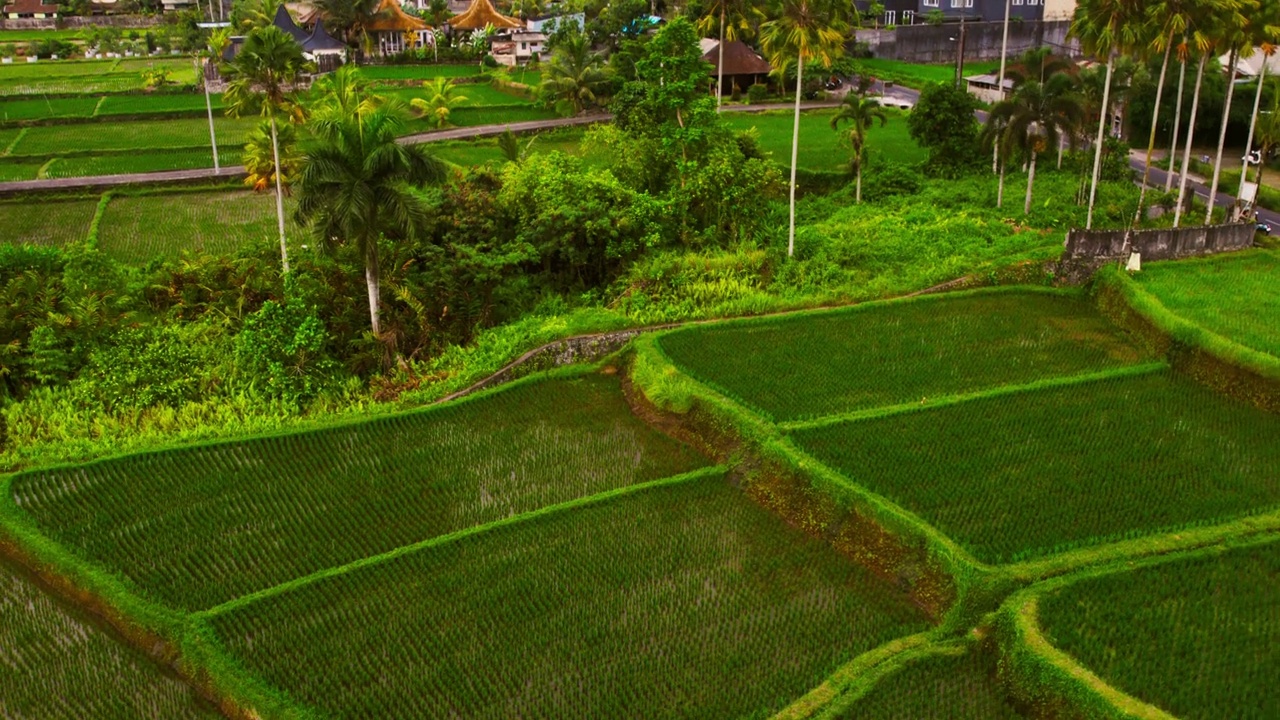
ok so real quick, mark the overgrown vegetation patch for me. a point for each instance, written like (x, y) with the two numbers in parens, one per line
(827, 363)
(200, 526)
(685, 600)
(1029, 474)
(1198, 638)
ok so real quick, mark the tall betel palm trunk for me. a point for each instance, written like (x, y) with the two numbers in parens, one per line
(1253, 122)
(1222, 138)
(275, 154)
(1191, 132)
(1155, 121)
(1177, 119)
(1097, 149)
(807, 30)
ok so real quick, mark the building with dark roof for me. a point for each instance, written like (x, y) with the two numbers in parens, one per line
(743, 66)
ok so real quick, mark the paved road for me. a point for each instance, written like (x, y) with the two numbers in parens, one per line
(103, 182)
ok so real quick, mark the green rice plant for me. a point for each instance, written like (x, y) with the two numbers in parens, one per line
(1235, 295)
(471, 116)
(1198, 638)
(818, 364)
(937, 687)
(11, 170)
(59, 664)
(11, 35)
(136, 135)
(686, 600)
(119, 163)
(44, 108)
(50, 222)
(163, 103)
(147, 227)
(211, 523)
(476, 94)
(107, 83)
(7, 136)
(54, 69)
(1028, 474)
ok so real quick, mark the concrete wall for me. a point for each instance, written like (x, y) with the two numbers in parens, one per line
(1167, 244)
(121, 21)
(933, 44)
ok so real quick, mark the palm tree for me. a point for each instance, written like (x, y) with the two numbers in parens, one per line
(1268, 137)
(1034, 119)
(1168, 19)
(804, 31)
(260, 157)
(263, 76)
(442, 97)
(1264, 36)
(860, 113)
(357, 185)
(735, 19)
(1038, 64)
(218, 42)
(575, 77)
(1233, 34)
(1104, 28)
(1183, 53)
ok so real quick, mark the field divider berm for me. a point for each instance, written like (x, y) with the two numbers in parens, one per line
(439, 540)
(957, 399)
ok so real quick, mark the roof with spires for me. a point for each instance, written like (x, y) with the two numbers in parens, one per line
(284, 21)
(390, 17)
(481, 14)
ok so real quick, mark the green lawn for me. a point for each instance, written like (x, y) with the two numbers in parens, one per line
(682, 601)
(937, 688)
(1199, 639)
(59, 664)
(418, 72)
(1035, 473)
(821, 147)
(478, 152)
(822, 364)
(50, 222)
(209, 524)
(477, 95)
(148, 227)
(917, 76)
(1236, 295)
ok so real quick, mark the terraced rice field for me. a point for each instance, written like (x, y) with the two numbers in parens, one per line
(147, 227)
(58, 222)
(57, 664)
(937, 688)
(1199, 638)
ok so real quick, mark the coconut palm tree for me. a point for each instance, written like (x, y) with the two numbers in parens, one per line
(1034, 119)
(356, 185)
(1233, 35)
(1167, 19)
(575, 78)
(442, 98)
(861, 113)
(263, 76)
(736, 20)
(803, 31)
(1264, 35)
(1105, 28)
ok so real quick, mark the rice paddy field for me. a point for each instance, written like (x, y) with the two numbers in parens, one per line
(1236, 296)
(142, 228)
(60, 665)
(209, 524)
(868, 357)
(89, 76)
(686, 600)
(821, 148)
(58, 222)
(1199, 639)
(1029, 474)
(943, 687)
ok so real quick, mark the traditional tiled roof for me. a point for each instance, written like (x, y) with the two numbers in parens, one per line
(321, 40)
(481, 14)
(285, 22)
(30, 7)
(738, 60)
(390, 17)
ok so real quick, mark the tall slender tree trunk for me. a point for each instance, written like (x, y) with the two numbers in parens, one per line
(1253, 124)
(795, 151)
(1031, 181)
(1000, 188)
(1177, 121)
(720, 64)
(275, 152)
(1097, 150)
(857, 186)
(1151, 141)
(1222, 136)
(1191, 133)
(208, 105)
(1004, 51)
(371, 281)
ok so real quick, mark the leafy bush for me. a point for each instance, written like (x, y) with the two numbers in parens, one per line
(757, 93)
(282, 352)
